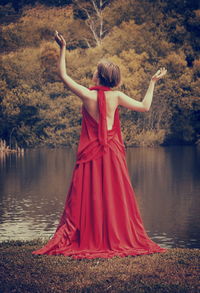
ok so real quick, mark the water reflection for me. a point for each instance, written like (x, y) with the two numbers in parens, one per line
(33, 191)
(167, 186)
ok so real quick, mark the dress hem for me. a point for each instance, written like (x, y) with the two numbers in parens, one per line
(88, 254)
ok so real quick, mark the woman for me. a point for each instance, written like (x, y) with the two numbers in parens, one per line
(101, 217)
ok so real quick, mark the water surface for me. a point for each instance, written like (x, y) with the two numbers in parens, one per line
(33, 190)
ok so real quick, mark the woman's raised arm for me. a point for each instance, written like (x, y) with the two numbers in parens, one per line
(145, 104)
(79, 90)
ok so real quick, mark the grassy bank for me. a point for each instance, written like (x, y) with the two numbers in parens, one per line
(173, 271)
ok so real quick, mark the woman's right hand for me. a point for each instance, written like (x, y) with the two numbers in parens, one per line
(60, 40)
(159, 74)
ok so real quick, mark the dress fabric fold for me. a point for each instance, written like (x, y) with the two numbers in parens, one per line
(101, 217)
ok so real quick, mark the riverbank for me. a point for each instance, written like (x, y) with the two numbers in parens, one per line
(4, 148)
(173, 271)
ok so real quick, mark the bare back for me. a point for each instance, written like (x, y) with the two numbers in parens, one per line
(91, 105)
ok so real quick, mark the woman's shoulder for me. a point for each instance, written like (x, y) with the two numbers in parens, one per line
(115, 94)
(112, 98)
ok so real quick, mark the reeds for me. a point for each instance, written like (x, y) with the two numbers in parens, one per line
(4, 148)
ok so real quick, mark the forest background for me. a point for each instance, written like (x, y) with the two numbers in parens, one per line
(139, 35)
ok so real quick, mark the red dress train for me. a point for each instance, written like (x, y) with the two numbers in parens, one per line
(101, 218)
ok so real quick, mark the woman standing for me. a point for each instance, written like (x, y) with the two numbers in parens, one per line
(101, 217)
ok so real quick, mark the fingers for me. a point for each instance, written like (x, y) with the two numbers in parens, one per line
(60, 39)
(161, 72)
(57, 35)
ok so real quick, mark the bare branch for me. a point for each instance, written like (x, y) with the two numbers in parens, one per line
(103, 3)
(96, 8)
(82, 8)
(86, 11)
(104, 31)
(95, 20)
(89, 46)
(93, 30)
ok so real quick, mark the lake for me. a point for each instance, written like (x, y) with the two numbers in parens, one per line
(166, 181)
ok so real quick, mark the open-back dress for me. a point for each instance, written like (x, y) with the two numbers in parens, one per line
(101, 218)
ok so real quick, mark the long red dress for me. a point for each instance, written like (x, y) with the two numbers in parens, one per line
(101, 218)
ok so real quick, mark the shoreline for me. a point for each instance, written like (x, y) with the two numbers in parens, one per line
(173, 271)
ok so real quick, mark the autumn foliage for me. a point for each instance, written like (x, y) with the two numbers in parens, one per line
(35, 107)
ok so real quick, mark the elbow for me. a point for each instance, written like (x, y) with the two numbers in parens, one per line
(60, 74)
(145, 108)
(60, 71)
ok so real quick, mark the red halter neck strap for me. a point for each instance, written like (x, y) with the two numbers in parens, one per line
(102, 126)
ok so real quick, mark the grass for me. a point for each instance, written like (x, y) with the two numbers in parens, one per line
(173, 271)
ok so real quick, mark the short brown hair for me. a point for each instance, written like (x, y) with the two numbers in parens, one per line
(108, 73)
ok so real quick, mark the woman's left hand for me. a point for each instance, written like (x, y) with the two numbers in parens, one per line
(60, 40)
(159, 74)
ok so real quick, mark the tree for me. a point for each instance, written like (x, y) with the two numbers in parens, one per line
(92, 13)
